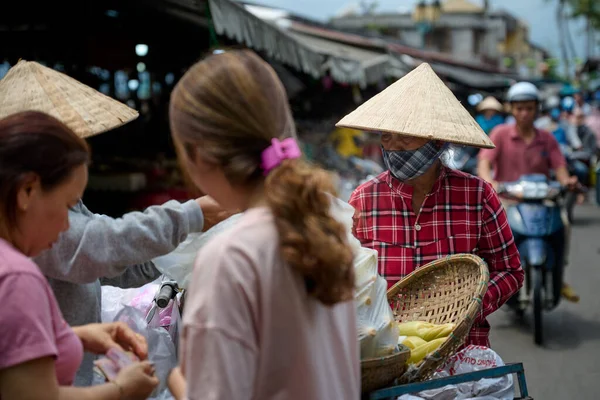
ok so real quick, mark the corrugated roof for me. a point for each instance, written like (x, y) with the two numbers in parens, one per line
(479, 80)
(363, 41)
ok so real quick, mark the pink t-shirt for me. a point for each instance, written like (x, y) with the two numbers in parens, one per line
(31, 324)
(513, 158)
(252, 332)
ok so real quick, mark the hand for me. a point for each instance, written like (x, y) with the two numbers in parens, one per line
(212, 211)
(572, 183)
(176, 383)
(137, 381)
(99, 338)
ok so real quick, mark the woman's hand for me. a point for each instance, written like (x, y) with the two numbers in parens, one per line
(176, 383)
(212, 211)
(99, 338)
(136, 381)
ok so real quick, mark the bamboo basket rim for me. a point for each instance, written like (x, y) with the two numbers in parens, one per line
(427, 367)
(372, 362)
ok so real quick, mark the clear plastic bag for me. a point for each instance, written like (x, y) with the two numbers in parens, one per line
(168, 318)
(114, 299)
(179, 263)
(470, 359)
(161, 349)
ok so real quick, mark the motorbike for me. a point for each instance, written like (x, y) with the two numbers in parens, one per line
(357, 172)
(463, 158)
(578, 164)
(535, 219)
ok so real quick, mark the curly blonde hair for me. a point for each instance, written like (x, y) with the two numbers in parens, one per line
(227, 108)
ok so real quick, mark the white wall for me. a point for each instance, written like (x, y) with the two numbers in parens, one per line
(463, 42)
(411, 37)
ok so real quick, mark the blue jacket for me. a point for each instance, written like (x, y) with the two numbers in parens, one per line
(488, 124)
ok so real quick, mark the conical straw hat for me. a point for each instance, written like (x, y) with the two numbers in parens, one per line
(419, 105)
(489, 103)
(29, 86)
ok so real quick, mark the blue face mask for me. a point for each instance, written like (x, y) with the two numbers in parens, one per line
(410, 164)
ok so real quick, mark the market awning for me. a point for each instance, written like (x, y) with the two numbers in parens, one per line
(347, 63)
(283, 40)
(235, 22)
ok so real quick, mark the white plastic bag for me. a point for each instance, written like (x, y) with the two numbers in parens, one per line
(377, 330)
(343, 213)
(470, 359)
(179, 263)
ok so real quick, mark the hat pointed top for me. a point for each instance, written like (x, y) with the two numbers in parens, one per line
(419, 105)
(29, 86)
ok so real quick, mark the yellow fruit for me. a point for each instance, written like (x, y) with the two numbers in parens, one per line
(419, 353)
(437, 331)
(425, 330)
(413, 328)
(412, 342)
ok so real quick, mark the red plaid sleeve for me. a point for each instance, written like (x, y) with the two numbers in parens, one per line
(357, 200)
(497, 247)
(354, 202)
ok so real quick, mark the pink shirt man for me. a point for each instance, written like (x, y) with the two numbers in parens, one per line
(593, 122)
(252, 332)
(31, 324)
(513, 158)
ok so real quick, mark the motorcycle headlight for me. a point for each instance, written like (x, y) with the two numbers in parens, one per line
(515, 190)
(535, 190)
(529, 190)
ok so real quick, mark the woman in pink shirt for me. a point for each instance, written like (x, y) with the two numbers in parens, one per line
(43, 172)
(270, 311)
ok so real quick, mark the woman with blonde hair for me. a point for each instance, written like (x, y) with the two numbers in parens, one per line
(269, 313)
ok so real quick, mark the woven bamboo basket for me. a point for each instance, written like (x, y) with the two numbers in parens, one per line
(377, 373)
(448, 290)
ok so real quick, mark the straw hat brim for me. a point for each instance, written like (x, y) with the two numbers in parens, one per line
(419, 105)
(30, 86)
(489, 103)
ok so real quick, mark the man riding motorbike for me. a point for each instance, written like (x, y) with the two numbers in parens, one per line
(588, 146)
(522, 149)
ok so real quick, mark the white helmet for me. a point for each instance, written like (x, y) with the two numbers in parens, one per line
(523, 91)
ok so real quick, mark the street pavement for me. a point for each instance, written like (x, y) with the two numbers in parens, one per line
(568, 365)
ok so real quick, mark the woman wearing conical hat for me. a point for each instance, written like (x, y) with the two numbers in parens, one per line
(98, 249)
(419, 210)
(490, 114)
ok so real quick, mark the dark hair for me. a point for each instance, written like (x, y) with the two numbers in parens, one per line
(34, 142)
(228, 108)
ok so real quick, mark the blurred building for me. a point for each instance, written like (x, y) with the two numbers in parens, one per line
(518, 51)
(460, 28)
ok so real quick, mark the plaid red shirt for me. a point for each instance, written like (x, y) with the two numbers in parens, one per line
(461, 214)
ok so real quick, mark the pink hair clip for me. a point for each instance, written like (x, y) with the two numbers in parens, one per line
(278, 151)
